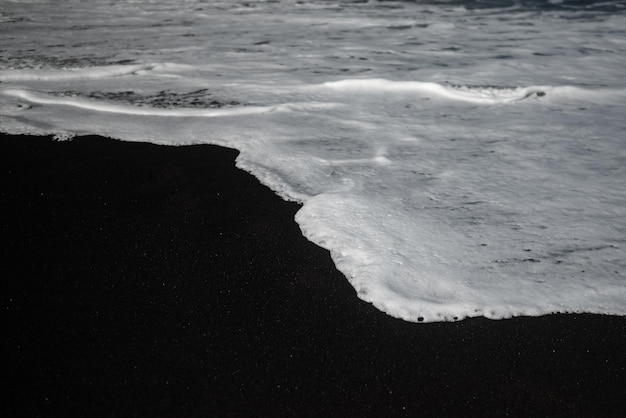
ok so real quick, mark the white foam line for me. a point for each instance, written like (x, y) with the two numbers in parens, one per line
(146, 111)
(73, 74)
(479, 96)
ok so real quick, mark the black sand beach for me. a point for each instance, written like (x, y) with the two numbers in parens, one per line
(143, 280)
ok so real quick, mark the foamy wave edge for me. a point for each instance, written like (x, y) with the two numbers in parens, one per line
(74, 73)
(98, 106)
(481, 95)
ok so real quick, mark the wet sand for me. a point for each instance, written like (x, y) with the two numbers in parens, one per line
(145, 280)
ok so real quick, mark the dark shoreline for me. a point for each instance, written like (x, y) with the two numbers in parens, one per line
(144, 280)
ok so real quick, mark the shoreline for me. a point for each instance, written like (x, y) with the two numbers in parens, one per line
(155, 280)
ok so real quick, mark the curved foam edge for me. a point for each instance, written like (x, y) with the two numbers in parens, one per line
(40, 98)
(463, 94)
(73, 74)
(395, 304)
(432, 296)
(471, 94)
(270, 179)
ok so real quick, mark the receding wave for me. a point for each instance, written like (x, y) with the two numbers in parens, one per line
(489, 179)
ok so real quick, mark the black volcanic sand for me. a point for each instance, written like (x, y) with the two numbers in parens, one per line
(144, 280)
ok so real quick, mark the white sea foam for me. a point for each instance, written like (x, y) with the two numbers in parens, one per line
(480, 95)
(34, 97)
(73, 73)
(456, 162)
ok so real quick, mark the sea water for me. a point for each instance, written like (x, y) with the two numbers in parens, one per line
(457, 158)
